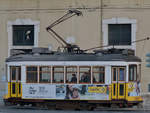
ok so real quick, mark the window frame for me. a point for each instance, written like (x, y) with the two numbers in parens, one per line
(22, 22)
(18, 28)
(120, 38)
(45, 72)
(106, 22)
(133, 75)
(98, 72)
(118, 73)
(115, 75)
(11, 73)
(58, 72)
(83, 72)
(17, 73)
(72, 73)
(33, 71)
(124, 73)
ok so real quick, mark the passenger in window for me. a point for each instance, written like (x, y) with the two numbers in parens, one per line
(83, 77)
(86, 77)
(94, 80)
(74, 78)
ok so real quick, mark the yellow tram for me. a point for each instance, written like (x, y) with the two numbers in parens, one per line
(73, 77)
(110, 77)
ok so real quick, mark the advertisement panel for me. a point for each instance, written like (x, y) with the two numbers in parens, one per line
(134, 89)
(71, 92)
(38, 91)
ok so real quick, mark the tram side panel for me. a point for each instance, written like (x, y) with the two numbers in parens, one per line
(69, 91)
(133, 90)
(133, 85)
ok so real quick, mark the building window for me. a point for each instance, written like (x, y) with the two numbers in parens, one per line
(71, 74)
(132, 72)
(45, 74)
(98, 74)
(119, 34)
(23, 35)
(32, 74)
(85, 75)
(58, 74)
(148, 87)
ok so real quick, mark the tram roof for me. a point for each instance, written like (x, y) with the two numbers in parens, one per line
(73, 57)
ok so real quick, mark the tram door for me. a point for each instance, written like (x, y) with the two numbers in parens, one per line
(118, 82)
(15, 81)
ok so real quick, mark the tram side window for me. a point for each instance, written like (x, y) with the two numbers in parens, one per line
(132, 72)
(58, 74)
(71, 74)
(45, 74)
(32, 74)
(98, 74)
(85, 74)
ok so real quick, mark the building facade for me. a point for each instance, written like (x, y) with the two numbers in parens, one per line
(104, 22)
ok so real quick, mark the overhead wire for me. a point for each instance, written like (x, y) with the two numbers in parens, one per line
(144, 39)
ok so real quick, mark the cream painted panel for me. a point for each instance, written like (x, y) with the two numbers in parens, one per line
(108, 75)
(23, 74)
(134, 3)
(26, 4)
(4, 4)
(56, 4)
(119, 2)
(146, 2)
(65, 4)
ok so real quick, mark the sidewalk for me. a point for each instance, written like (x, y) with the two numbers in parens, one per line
(146, 101)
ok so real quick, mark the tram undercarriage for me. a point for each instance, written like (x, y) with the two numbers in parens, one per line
(72, 104)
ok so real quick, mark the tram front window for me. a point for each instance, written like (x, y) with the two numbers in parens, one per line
(19, 73)
(121, 74)
(132, 73)
(13, 73)
(98, 75)
(32, 74)
(58, 74)
(45, 74)
(85, 75)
